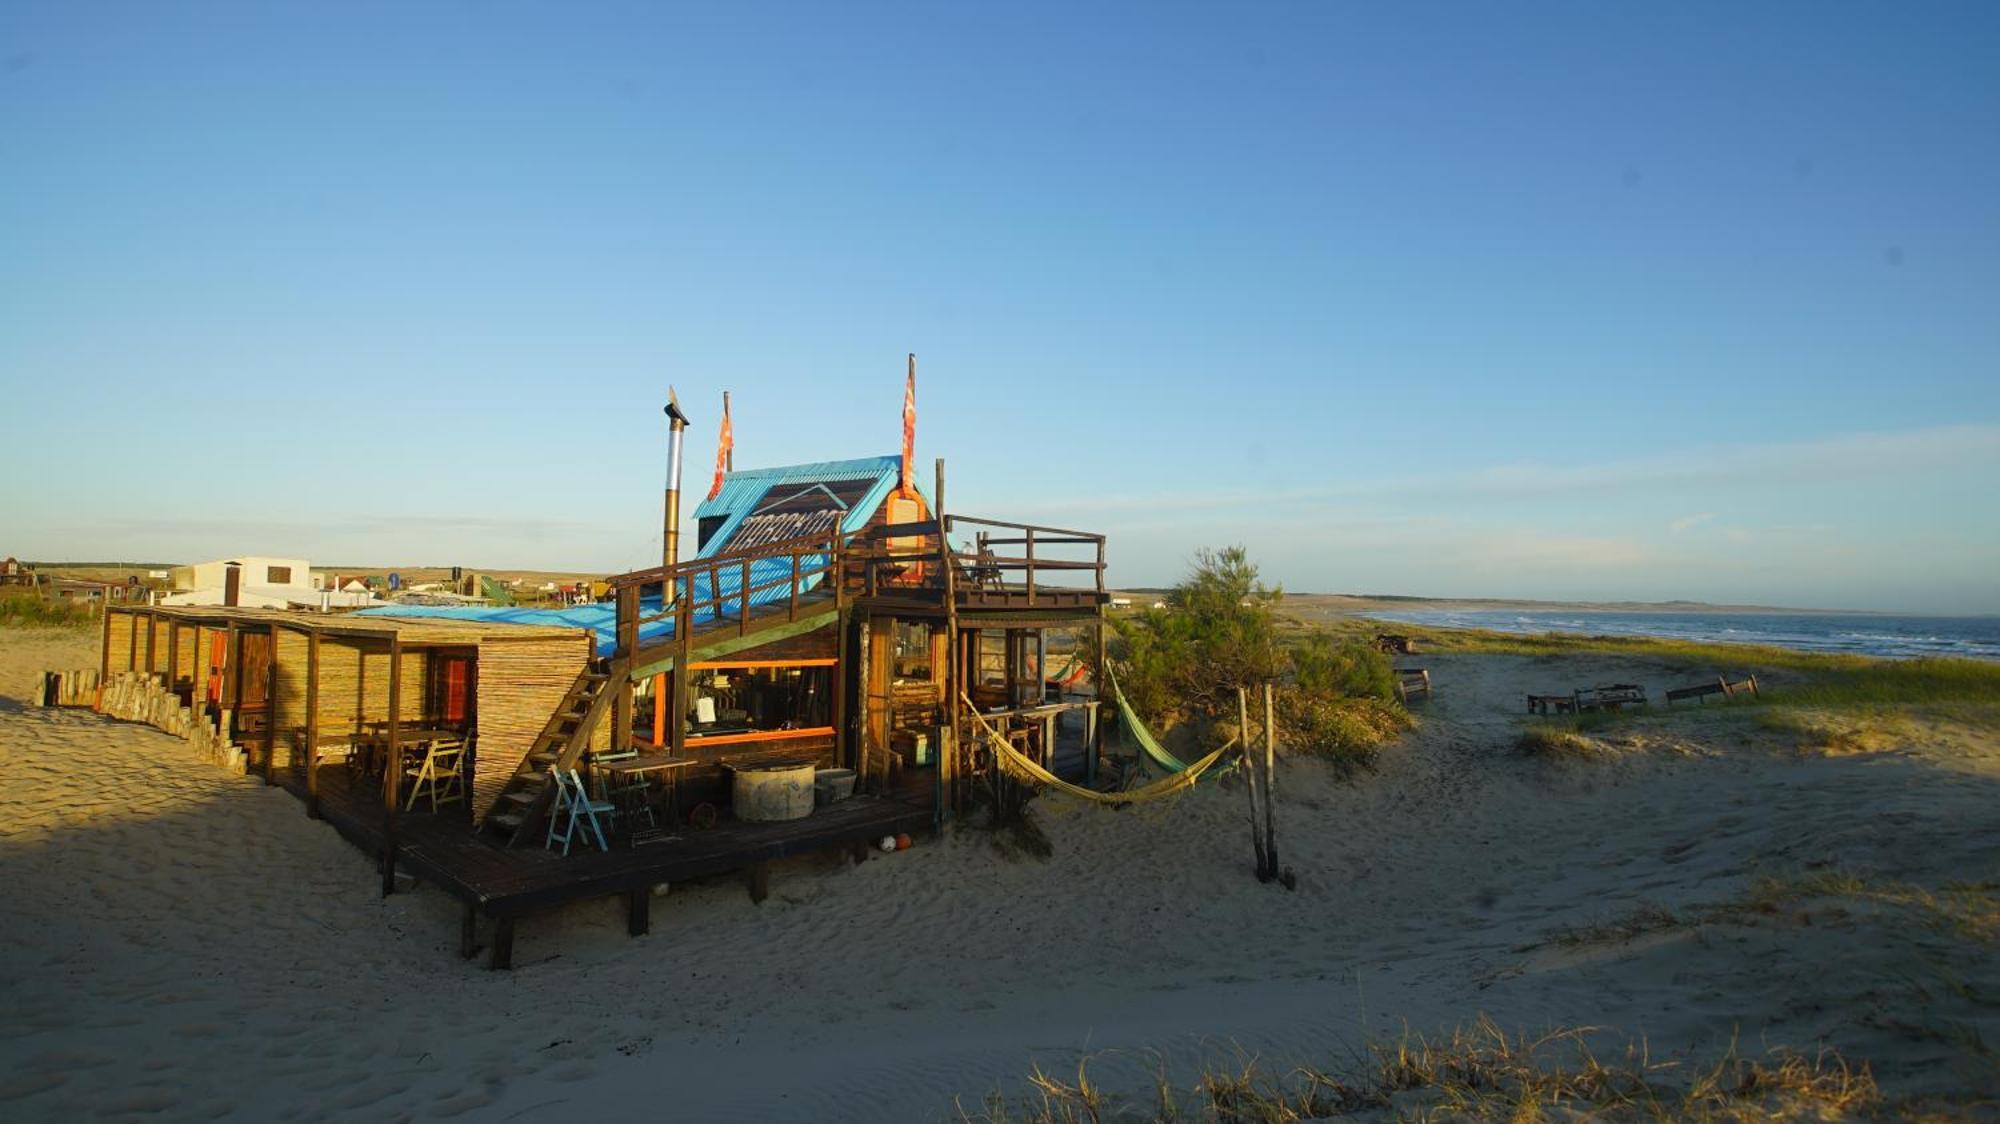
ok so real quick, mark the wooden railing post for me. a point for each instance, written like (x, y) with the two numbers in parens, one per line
(1100, 564)
(627, 636)
(795, 585)
(1031, 565)
(743, 600)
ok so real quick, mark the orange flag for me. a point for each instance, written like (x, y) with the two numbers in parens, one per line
(722, 449)
(910, 428)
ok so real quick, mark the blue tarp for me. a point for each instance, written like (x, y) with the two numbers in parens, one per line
(601, 618)
(741, 494)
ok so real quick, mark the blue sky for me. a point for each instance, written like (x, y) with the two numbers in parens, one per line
(1574, 300)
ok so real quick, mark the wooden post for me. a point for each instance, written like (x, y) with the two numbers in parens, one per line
(760, 881)
(173, 655)
(131, 640)
(104, 661)
(312, 723)
(628, 648)
(683, 655)
(660, 735)
(1270, 786)
(152, 619)
(271, 712)
(468, 932)
(1249, 773)
(1095, 749)
(637, 906)
(392, 765)
(947, 750)
(501, 958)
(231, 689)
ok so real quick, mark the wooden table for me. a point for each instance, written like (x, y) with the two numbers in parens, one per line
(374, 744)
(637, 769)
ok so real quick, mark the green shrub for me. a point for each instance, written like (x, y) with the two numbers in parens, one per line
(29, 611)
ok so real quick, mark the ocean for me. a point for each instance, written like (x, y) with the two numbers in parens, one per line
(1867, 634)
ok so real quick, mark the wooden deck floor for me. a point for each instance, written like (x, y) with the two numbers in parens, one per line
(504, 884)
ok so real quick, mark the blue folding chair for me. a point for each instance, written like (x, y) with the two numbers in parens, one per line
(574, 799)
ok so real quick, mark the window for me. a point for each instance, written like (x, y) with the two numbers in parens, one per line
(751, 699)
(277, 575)
(705, 529)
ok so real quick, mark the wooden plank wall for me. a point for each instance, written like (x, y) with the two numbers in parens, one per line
(521, 682)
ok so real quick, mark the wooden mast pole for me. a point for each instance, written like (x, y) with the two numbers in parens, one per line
(947, 761)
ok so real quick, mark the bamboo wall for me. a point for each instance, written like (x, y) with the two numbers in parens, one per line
(288, 710)
(521, 682)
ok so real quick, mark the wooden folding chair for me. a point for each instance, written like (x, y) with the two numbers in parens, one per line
(572, 798)
(438, 776)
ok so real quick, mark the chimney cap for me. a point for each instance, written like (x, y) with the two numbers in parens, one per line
(673, 409)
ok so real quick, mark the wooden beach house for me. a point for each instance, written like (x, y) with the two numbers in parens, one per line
(832, 618)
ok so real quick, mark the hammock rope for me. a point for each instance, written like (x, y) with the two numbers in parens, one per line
(1026, 768)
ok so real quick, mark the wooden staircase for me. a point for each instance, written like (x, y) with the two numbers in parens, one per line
(525, 801)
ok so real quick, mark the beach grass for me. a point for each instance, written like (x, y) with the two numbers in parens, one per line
(29, 611)
(1478, 1071)
(1822, 702)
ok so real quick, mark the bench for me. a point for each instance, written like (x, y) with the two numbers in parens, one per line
(1611, 697)
(1722, 686)
(1552, 704)
(1412, 681)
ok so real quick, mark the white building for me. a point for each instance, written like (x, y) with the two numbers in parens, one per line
(263, 583)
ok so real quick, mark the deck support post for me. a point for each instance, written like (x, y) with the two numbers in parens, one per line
(760, 881)
(1093, 745)
(392, 765)
(501, 957)
(468, 932)
(271, 712)
(638, 906)
(312, 723)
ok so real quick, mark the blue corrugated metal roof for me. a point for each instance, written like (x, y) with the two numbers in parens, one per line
(744, 489)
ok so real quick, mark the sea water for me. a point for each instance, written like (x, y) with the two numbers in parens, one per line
(1868, 634)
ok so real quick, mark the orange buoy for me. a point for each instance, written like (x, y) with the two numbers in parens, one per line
(902, 842)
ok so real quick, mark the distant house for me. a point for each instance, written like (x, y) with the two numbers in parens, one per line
(261, 583)
(13, 572)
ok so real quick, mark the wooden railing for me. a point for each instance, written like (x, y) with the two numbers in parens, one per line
(886, 559)
(895, 556)
(983, 569)
(692, 594)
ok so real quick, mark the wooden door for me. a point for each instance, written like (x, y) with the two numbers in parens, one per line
(253, 670)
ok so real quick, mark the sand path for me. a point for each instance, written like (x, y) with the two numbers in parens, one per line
(182, 943)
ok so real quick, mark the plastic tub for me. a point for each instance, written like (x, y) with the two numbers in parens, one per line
(773, 793)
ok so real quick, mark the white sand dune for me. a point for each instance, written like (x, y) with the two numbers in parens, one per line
(181, 943)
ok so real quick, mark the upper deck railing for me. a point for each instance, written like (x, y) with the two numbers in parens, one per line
(761, 583)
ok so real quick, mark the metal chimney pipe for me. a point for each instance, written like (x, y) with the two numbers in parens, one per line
(670, 539)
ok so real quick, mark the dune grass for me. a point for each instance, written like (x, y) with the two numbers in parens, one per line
(29, 611)
(1479, 1071)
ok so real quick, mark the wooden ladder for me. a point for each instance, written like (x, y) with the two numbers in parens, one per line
(525, 800)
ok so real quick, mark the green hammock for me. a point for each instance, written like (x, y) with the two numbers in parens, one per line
(1154, 753)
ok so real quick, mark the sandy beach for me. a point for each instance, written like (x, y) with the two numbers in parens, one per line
(181, 943)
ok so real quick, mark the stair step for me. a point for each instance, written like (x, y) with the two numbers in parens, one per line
(516, 796)
(506, 821)
(544, 756)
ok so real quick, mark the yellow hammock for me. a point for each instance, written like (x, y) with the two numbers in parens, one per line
(1015, 762)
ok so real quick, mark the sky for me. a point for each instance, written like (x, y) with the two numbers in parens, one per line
(1572, 301)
